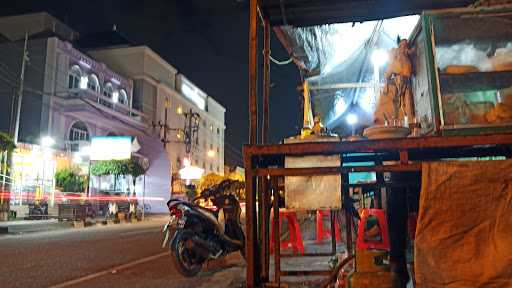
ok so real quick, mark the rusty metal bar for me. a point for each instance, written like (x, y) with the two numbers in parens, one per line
(335, 170)
(345, 190)
(305, 273)
(331, 148)
(277, 244)
(253, 78)
(250, 228)
(288, 255)
(333, 232)
(265, 213)
(266, 81)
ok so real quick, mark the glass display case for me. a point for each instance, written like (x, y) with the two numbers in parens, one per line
(464, 64)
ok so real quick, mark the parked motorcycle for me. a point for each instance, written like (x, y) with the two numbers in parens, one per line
(202, 234)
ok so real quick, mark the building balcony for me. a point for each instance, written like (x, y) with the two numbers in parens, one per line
(107, 104)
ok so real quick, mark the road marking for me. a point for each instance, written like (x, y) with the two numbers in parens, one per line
(109, 271)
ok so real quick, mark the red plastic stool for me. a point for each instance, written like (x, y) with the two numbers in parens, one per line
(322, 233)
(383, 242)
(293, 226)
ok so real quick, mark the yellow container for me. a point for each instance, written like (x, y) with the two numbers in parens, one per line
(371, 271)
(370, 280)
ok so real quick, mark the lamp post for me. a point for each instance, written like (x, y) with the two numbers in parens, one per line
(47, 142)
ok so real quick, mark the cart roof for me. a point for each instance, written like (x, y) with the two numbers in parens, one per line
(317, 12)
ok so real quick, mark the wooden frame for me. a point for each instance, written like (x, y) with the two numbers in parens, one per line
(265, 163)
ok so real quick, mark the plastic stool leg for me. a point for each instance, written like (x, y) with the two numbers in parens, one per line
(298, 237)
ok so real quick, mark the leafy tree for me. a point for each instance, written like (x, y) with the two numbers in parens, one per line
(117, 168)
(209, 180)
(70, 180)
(6, 143)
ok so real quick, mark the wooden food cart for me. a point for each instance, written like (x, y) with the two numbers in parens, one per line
(461, 108)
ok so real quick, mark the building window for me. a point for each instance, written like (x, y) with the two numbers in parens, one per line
(108, 90)
(179, 110)
(123, 97)
(211, 128)
(218, 131)
(78, 132)
(211, 166)
(218, 150)
(211, 146)
(204, 123)
(75, 74)
(93, 83)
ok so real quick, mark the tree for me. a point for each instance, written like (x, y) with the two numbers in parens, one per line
(209, 180)
(116, 168)
(70, 180)
(6, 143)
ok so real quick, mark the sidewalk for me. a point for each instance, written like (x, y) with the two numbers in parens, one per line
(30, 226)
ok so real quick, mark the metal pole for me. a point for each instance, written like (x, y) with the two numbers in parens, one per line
(143, 197)
(264, 194)
(20, 91)
(266, 80)
(251, 225)
(277, 236)
(253, 47)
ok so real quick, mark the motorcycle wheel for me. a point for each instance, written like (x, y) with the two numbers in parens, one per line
(186, 261)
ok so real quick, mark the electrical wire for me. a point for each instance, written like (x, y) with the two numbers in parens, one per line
(280, 62)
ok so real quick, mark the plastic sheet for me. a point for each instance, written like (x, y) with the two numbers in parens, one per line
(341, 54)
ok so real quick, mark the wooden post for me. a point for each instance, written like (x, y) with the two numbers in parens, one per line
(266, 81)
(253, 47)
(265, 199)
(251, 225)
(277, 236)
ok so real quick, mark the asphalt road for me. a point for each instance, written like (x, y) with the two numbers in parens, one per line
(124, 255)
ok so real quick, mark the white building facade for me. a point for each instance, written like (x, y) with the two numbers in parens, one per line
(72, 97)
(159, 87)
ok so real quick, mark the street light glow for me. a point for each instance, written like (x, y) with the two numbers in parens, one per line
(115, 96)
(47, 141)
(211, 153)
(351, 119)
(379, 57)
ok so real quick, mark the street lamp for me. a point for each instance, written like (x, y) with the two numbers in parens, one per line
(47, 141)
(211, 153)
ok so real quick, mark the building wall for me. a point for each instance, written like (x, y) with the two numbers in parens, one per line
(159, 81)
(15, 27)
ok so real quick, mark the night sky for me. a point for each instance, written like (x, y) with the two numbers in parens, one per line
(205, 40)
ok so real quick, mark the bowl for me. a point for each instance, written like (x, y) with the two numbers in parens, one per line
(386, 132)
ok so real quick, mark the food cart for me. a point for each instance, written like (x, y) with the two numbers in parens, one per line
(461, 109)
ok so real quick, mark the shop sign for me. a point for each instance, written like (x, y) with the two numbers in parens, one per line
(111, 148)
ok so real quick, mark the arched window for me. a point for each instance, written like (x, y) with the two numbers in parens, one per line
(93, 83)
(108, 90)
(78, 132)
(123, 97)
(75, 74)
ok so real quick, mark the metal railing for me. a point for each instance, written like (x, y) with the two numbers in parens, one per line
(96, 97)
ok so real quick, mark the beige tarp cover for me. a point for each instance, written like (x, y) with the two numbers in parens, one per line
(464, 232)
